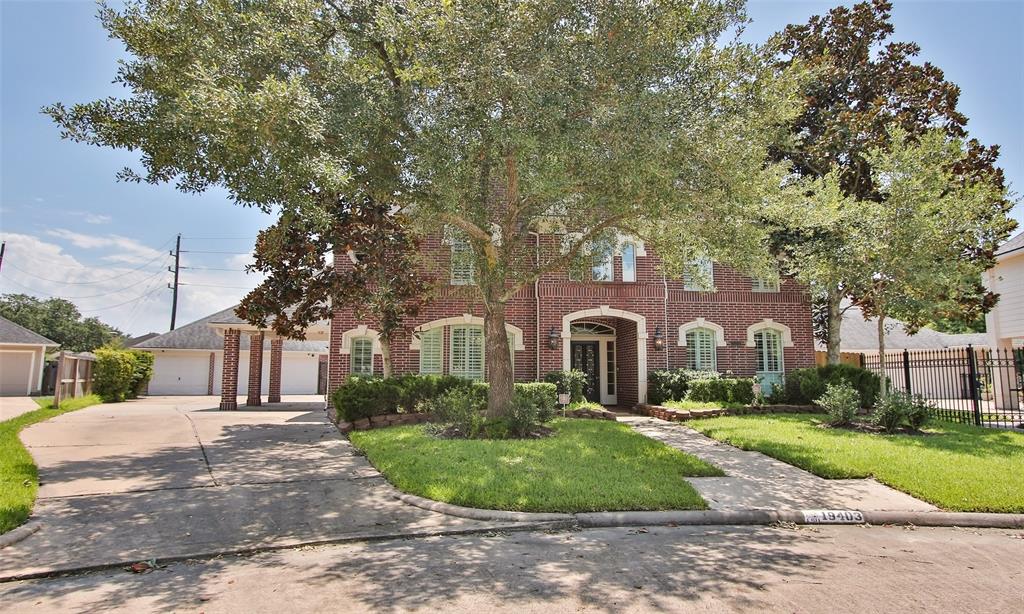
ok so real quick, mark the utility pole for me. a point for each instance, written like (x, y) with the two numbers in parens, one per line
(177, 259)
(3, 248)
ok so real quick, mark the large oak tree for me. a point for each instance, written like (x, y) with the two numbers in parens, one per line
(490, 120)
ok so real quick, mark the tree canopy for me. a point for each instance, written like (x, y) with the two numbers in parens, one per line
(58, 319)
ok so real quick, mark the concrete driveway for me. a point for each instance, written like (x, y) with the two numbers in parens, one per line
(12, 407)
(174, 476)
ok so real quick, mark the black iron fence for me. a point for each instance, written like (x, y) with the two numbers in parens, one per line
(973, 386)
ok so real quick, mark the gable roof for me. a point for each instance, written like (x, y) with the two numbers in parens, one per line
(1015, 246)
(16, 333)
(860, 335)
(134, 341)
(199, 335)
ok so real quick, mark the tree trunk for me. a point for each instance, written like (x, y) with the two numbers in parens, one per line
(881, 355)
(835, 323)
(385, 354)
(499, 360)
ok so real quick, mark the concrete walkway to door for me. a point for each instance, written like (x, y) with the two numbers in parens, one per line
(756, 481)
(174, 476)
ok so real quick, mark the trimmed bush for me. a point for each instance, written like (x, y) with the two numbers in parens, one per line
(542, 395)
(803, 386)
(142, 372)
(722, 390)
(841, 402)
(457, 409)
(418, 388)
(362, 397)
(919, 413)
(892, 410)
(114, 374)
(568, 382)
(673, 384)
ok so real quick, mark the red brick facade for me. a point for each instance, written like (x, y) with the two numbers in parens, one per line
(636, 310)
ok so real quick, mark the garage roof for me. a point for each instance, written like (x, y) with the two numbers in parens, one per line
(16, 333)
(860, 335)
(199, 335)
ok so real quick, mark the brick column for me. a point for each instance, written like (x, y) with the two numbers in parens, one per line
(229, 371)
(209, 379)
(275, 370)
(255, 369)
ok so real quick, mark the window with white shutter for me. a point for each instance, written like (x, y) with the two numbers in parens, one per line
(431, 349)
(467, 351)
(362, 356)
(462, 273)
(700, 350)
(768, 345)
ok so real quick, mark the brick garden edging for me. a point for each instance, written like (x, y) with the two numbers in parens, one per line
(375, 422)
(682, 415)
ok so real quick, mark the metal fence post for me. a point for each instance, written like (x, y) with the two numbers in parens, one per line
(972, 374)
(906, 370)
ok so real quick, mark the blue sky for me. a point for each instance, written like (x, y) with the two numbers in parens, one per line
(74, 231)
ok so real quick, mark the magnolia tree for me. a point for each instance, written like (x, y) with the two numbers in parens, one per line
(864, 83)
(493, 122)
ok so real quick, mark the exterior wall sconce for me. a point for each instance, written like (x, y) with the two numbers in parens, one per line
(659, 338)
(553, 338)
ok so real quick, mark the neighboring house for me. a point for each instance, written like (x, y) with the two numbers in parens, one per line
(624, 320)
(189, 360)
(939, 368)
(22, 354)
(1005, 323)
(134, 341)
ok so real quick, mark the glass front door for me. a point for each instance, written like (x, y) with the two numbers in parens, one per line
(585, 358)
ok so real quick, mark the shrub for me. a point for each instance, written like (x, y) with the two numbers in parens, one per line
(113, 374)
(841, 402)
(142, 372)
(893, 410)
(568, 382)
(361, 397)
(460, 410)
(673, 384)
(542, 395)
(722, 390)
(418, 388)
(523, 414)
(804, 386)
(583, 405)
(919, 412)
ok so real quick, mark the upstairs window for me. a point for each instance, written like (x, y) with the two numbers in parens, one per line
(700, 350)
(602, 269)
(766, 285)
(467, 352)
(462, 273)
(628, 262)
(362, 356)
(431, 347)
(700, 277)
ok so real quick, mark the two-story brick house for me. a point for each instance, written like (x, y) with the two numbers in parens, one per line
(623, 320)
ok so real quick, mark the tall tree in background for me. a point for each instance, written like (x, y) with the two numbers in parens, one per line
(492, 121)
(862, 84)
(58, 319)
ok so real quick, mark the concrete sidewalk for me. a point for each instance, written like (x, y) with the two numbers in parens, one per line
(12, 407)
(173, 476)
(757, 482)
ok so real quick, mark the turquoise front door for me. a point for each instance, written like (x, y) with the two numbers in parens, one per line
(768, 345)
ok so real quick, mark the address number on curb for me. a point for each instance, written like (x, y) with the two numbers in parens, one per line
(833, 516)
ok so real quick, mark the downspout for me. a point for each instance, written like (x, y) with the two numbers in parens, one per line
(536, 300)
(664, 283)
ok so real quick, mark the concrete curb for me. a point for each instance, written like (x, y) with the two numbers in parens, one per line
(19, 533)
(722, 517)
(480, 514)
(249, 550)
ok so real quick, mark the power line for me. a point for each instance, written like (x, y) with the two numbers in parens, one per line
(199, 251)
(208, 268)
(137, 283)
(216, 286)
(138, 298)
(96, 281)
(253, 239)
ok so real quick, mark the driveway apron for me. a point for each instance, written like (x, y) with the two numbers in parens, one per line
(174, 476)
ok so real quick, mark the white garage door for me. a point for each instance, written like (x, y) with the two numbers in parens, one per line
(15, 369)
(188, 374)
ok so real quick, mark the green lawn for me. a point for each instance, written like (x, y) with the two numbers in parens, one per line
(956, 467)
(18, 477)
(587, 465)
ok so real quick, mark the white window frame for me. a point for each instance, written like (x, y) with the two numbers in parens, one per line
(695, 346)
(759, 284)
(628, 262)
(762, 351)
(435, 338)
(466, 372)
(356, 342)
(462, 272)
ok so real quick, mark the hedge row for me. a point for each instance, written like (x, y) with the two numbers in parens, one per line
(121, 374)
(363, 397)
(804, 386)
(673, 384)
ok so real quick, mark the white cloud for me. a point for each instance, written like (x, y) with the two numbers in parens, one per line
(126, 288)
(97, 218)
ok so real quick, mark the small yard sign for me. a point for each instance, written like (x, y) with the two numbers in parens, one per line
(833, 517)
(563, 399)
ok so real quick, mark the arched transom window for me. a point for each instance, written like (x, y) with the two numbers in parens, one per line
(590, 328)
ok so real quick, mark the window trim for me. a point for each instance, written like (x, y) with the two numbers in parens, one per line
(439, 332)
(787, 334)
(630, 248)
(483, 351)
(458, 247)
(695, 350)
(352, 355)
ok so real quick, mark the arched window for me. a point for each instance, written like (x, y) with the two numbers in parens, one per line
(701, 353)
(590, 328)
(361, 356)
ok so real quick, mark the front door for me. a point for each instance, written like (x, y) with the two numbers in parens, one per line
(585, 358)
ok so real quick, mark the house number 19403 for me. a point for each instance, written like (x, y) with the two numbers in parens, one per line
(833, 516)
